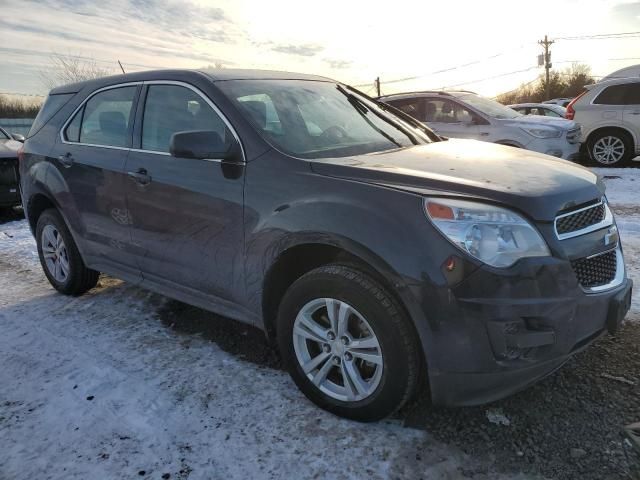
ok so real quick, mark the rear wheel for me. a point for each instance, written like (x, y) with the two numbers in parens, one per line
(610, 148)
(347, 344)
(60, 258)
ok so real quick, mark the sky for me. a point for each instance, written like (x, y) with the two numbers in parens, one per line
(488, 46)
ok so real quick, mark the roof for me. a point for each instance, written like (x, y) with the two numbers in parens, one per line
(214, 74)
(613, 81)
(530, 104)
(447, 93)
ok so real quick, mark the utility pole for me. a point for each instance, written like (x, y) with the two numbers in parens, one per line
(547, 62)
(377, 85)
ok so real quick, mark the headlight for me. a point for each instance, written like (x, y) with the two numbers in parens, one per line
(544, 132)
(493, 235)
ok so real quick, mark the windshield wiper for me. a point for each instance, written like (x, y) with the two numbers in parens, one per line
(399, 113)
(362, 109)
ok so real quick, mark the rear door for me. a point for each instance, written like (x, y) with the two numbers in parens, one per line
(186, 214)
(90, 156)
(631, 113)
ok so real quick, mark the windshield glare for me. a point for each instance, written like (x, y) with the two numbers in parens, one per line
(315, 119)
(490, 107)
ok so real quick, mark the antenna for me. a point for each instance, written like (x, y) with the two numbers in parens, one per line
(121, 67)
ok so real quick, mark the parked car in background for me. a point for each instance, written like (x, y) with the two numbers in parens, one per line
(542, 109)
(563, 102)
(609, 113)
(9, 194)
(461, 114)
(376, 255)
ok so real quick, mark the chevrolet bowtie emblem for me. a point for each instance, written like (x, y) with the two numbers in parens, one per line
(612, 236)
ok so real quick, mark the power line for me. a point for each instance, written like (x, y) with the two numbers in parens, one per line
(603, 36)
(448, 69)
(492, 77)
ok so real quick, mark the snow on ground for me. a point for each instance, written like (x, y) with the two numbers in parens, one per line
(97, 387)
(623, 194)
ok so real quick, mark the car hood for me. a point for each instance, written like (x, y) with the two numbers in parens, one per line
(533, 183)
(9, 148)
(541, 121)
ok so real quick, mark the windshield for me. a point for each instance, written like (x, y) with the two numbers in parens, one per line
(489, 107)
(314, 119)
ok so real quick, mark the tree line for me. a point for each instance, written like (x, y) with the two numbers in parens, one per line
(567, 83)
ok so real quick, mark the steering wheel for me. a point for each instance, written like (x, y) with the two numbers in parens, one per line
(334, 133)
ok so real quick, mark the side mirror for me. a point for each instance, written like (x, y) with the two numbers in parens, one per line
(204, 144)
(17, 137)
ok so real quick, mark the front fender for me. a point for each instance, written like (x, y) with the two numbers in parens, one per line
(384, 227)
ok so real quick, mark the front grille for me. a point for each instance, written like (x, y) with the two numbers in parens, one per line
(597, 270)
(581, 219)
(573, 135)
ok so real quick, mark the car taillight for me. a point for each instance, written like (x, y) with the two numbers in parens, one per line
(571, 113)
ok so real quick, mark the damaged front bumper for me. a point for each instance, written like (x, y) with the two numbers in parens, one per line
(500, 332)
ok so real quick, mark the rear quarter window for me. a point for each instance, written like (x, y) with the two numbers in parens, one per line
(51, 106)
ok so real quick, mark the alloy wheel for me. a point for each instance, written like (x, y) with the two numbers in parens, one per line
(337, 349)
(608, 150)
(55, 253)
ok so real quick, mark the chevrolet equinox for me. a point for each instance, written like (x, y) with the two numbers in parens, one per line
(374, 253)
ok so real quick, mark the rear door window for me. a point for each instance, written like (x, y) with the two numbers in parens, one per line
(411, 106)
(614, 95)
(107, 118)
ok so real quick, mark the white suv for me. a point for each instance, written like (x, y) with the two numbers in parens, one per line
(464, 114)
(609, 113)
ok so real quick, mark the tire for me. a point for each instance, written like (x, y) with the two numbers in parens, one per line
(621, 144)
(71, 276)
(389, 380)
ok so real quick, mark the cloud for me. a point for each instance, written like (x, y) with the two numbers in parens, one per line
(308, 50)
(338, 64)
(180, 17)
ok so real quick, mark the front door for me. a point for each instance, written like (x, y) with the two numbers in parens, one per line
(186, 214)
(91, 158)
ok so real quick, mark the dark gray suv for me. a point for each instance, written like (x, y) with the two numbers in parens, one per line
(376, 254)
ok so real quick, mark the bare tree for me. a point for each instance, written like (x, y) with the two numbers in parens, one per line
(565, 84)
(66, 69)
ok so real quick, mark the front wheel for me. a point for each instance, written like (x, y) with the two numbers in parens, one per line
(347, 343)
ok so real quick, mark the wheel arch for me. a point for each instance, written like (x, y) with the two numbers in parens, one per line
(301, 258)
(600, 129)
(38, 203)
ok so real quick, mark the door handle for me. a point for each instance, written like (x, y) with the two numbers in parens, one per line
(66, 160)
(484, 134)
(140, 176)
(634, 113)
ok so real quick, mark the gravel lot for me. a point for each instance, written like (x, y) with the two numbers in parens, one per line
(182, 392)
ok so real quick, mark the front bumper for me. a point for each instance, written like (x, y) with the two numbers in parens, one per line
(556, 147)
(500, 333)
(9, 192)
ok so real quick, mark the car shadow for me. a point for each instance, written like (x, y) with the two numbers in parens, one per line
(11, 214)
(243, 341)
(570, 425)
